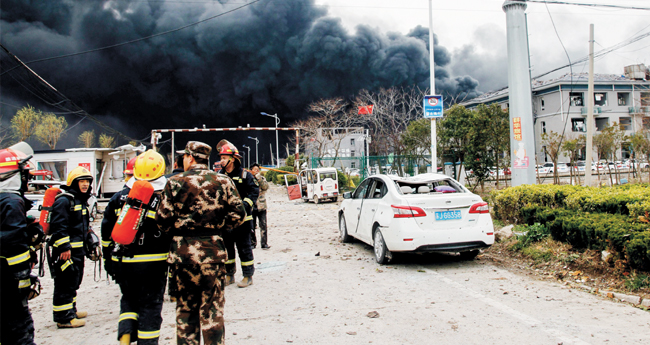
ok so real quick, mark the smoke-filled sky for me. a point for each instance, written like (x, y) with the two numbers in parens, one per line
(474, 32)
(275, 56)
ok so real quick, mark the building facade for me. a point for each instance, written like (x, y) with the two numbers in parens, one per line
(560, 106)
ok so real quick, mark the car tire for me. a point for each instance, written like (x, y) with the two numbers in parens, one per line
(343, 230)
(381, 251)
(470, 255)
(316, 201)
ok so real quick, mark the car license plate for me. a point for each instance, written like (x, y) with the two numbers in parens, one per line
(448, 215)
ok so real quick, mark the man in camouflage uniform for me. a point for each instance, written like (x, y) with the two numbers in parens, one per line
(259, 211)
(197, 208)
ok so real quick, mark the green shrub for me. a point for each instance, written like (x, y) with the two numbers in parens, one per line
(531, 234)
(272, 176)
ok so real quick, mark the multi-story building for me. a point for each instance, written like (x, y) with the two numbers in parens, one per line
(560, 105)
(339, 147)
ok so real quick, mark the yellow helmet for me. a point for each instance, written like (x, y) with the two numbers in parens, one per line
(149, 165)
(78, 173)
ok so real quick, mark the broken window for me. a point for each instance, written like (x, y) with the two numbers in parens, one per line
(600, 98)
(645, 99)
(578, 125)
(542, 103)
(352, 153)
(576, 99)
(543, 127)
(623, 98)
(626, 123)
(352, 142)
(602, 123)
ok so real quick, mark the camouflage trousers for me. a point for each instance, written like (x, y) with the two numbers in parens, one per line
(200, 301)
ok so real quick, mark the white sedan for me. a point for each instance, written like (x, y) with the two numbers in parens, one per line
(424, 213)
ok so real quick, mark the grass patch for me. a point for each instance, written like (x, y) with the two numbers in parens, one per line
(637, 282)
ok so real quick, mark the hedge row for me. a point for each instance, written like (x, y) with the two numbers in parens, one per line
(628, 241)
(633, 200)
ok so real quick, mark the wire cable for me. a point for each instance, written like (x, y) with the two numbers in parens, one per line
(591, 5)
(135, 40)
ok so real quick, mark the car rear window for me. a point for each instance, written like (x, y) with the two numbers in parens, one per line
(436, 187)
(331, 175)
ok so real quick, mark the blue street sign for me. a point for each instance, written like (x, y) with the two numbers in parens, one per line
(432, 106)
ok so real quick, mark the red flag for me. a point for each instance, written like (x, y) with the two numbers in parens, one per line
(365, 110)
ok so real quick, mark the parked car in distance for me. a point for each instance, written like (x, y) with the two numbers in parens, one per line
(562, 168)
(580, 166)
(424, 213)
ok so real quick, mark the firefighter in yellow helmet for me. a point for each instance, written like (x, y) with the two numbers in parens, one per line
(140, 268)
(69, 224)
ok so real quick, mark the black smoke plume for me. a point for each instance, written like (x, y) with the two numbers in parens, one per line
(275, 56)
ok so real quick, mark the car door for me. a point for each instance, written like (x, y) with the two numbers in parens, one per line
(310, 183)
(376, 191)
(353, 210)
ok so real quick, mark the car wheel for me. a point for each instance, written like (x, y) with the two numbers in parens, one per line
(381, 251)
(469, 255)
(343, 230)
(316, 199)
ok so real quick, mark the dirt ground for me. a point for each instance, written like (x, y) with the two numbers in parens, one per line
(311, 289)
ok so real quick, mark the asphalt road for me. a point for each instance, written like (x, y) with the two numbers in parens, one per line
(311, 289)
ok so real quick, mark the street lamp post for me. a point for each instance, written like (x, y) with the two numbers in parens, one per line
(277, 146)
(256, 156)
(249, 154)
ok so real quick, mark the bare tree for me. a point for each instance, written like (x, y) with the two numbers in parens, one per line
(552, 141)
(573, 145)
(106, 141)
(25, 121)
(50, 130)
(87, 139)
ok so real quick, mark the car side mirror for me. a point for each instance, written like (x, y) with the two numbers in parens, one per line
(347, 195)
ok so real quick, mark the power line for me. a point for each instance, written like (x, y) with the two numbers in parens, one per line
(591, 5)
(47, 93)
(135, 40)
(599, 53)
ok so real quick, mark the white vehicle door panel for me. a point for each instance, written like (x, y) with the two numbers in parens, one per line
(353, 212)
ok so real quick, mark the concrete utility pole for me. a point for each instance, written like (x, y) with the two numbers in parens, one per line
(590, 109)
(432, 77)
(522, 131)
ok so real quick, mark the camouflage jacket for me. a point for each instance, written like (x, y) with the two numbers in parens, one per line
(197, 206)
(261, 198)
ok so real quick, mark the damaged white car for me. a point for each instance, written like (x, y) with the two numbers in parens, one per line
(424, 213)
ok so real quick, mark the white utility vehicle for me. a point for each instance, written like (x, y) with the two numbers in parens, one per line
(319, 184)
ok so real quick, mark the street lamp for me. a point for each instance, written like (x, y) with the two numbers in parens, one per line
(249, 154)
(277, 147)
(256, 156)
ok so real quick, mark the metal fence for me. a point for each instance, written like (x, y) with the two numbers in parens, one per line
(363, 166)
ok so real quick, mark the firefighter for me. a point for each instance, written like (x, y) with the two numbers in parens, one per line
(248, 191)
(259, 211)
(16, 259)
(197, 208)
(128, 172)
(139, 268)
(69, 224)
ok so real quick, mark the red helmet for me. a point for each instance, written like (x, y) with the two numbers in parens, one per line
(229, 149)
(12, 161)
(129, 166)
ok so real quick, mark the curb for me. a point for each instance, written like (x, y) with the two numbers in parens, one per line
(630, 299)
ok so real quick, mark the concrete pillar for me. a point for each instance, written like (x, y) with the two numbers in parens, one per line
(522, 131)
